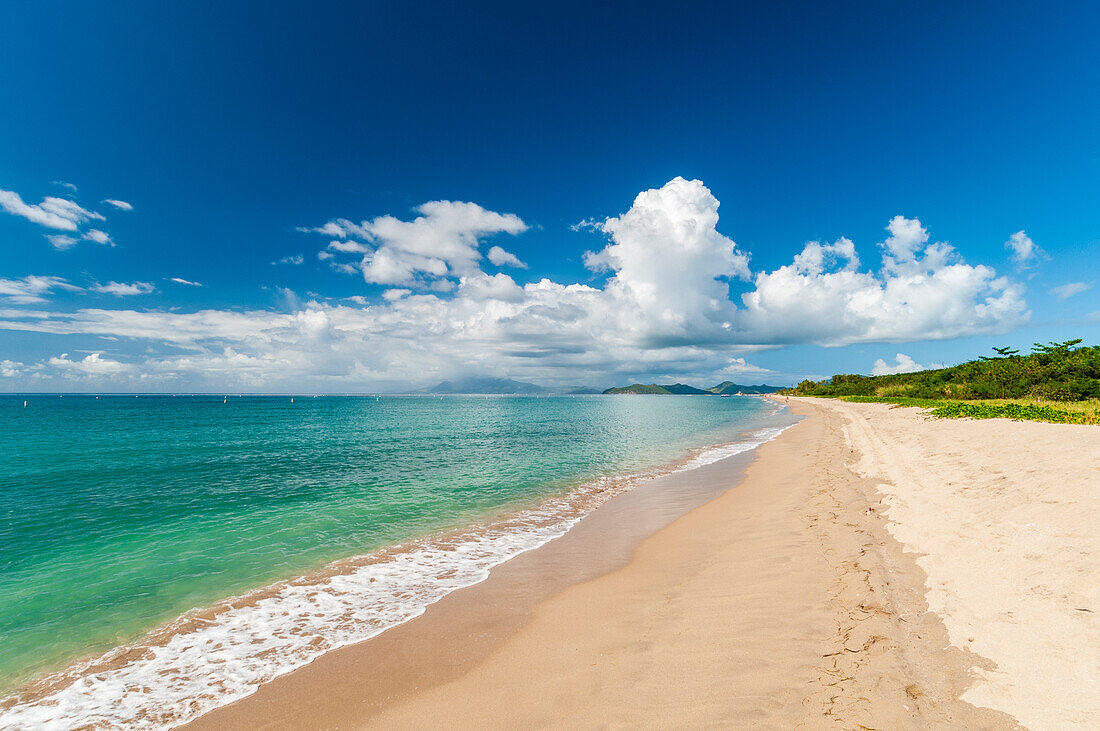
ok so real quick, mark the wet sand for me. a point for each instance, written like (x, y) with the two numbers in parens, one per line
(702, 599)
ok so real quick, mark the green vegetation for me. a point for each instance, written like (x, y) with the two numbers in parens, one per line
(723, 388)
(1056, 382)
(652, 388)
(1058, 412)
(731, 387)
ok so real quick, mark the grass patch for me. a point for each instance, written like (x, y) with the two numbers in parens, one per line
(1057, 412)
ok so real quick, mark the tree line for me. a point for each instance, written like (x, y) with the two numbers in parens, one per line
(1054, 371)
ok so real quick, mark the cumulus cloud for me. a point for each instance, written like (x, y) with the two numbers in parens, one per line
(815, 256)
(923, 291)
(123, 289)
(501, 258)
(12, 369)
(63, 184)
(93, 364)
(443, 241)
(293, 259)
(57, 213)
(1023, 249)
(673, 295)
(906, 237)
(121, 205)
(481, 287)
(904, 364)
(1069, 289)
(669, 266)
(180, 280)
(31, 289)
(740, 367)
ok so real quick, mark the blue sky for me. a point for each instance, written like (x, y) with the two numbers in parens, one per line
(232, 132)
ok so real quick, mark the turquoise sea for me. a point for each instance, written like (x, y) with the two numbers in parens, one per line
(122, 513)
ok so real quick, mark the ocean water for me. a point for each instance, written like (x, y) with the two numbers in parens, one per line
(162, 555)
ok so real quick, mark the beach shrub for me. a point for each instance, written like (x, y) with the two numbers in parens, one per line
(1064, 412)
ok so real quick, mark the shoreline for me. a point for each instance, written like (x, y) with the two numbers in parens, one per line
(471, 549)
(785, 600)
(467, 625)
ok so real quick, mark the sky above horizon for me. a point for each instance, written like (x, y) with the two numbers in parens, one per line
(331, 198)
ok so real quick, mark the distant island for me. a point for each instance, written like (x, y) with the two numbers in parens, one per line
(484, 385)
(725, 388)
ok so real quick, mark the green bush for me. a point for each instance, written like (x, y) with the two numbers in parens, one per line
(1072, 413)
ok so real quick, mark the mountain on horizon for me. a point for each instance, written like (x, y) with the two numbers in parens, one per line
(722, 389)
(731, 387)
(507, 386)
(486, 385)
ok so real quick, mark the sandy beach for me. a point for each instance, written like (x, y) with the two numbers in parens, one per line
(870, 568)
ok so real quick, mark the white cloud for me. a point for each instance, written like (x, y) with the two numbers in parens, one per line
(121, 205)
(588, 224)
(349, 247)
(52, 212)
(1023, 248)
(666, 258)
(665, 306)
(293, 259)
(31, 289)
(441, 242)
(501, 258)
(481, 287)
(11, 369)
(815, 257)
(1069, 289)
(123, 289)
(904, 364)
(332, 228)
(739, 367)
(63, 184)
(906, 237)
(189, 283)
(99, 237)
(923, 292)
(61, 242)
(93, 364)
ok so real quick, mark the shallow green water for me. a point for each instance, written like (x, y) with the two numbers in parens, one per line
(119, 513)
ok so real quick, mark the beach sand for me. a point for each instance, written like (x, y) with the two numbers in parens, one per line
(799, 598)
